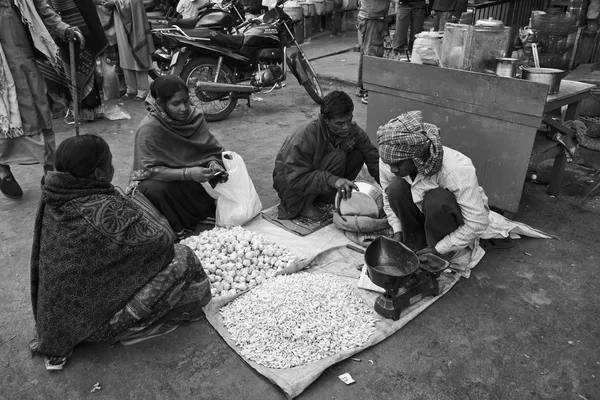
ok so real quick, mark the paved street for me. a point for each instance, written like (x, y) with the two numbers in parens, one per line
(524, 326)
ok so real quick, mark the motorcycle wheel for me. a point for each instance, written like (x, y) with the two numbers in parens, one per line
(214, 105)
(312, 86)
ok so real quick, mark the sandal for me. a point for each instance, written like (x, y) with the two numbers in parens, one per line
(139, 98)
(10, 188)
(128, 96)
(493, 244)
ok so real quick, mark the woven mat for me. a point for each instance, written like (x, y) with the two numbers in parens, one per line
(300, 226)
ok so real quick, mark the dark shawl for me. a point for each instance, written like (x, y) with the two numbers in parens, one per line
(83, 15)
(161, 142)
(93, 249)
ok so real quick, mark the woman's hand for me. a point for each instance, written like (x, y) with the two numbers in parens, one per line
(219, 171)
(201, 174)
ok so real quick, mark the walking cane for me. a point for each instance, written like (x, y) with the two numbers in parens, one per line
(74, 85)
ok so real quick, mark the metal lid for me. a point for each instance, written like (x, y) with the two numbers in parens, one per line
(490, 23)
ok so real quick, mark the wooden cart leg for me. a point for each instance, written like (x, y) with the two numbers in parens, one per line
(560, 161)
(572, 111)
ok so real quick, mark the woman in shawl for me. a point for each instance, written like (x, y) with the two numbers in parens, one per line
(174, 154)
(135, 45)
(104, 267)
(83, 15)
(26, 135)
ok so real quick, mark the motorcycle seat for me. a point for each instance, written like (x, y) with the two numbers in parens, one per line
(199, 32)
(187, 23)
(230, 41)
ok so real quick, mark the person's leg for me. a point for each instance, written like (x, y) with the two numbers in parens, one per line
(130, 82)
(354, 163)
(402, 21)
(143, 84)
(436, 20)
(445, 17)
(412, 220)
(334, 162)
(183, 203)
(360, 29)
(417, 18)
(373, 43)
(442, 215)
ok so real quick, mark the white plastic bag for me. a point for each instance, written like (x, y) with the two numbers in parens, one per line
(237, 199)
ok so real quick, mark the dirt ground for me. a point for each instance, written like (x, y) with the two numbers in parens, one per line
(526, 325)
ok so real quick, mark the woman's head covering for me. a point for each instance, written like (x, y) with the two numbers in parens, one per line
(165, 86)
(406, 137)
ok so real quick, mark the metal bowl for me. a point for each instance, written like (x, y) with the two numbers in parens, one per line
(550, 76)
(368, 201)
(390, 263)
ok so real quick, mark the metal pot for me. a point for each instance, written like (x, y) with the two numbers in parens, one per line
(506, 66)
(489, 23)
(549, 76)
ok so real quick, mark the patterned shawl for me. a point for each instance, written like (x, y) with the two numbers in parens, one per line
(83, 15)
(93, 249)
(11, 125)
(407, 137)
(162, 142)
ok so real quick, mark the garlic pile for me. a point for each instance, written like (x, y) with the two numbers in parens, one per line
(236, 259)
(296, 319)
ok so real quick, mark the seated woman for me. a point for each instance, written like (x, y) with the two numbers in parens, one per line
(174, 153)
(104, 268)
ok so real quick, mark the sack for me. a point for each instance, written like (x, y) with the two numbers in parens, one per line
(237, 199)
(362, 230)
(110, 80)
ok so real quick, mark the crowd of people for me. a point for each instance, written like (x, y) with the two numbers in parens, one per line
(142, 283)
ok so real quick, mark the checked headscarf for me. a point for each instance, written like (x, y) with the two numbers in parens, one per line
(408, 137)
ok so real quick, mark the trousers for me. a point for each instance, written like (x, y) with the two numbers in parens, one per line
(440, 216)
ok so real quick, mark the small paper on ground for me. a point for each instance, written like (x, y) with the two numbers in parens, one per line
(346, 378)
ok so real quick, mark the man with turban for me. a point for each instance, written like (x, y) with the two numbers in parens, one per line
(432, 198)
(321, 158)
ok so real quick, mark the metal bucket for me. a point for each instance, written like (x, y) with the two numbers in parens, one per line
(506, 67)
(549, 76)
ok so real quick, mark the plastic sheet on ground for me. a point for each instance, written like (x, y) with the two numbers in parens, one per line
(325, 251)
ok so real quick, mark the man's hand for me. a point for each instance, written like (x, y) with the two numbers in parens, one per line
(432, 250)
(428, 250)
(432, 14)
(73, 34)
(344, 188)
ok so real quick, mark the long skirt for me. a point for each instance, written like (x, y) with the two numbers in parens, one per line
(183, 203)
(37, 143)
(182, 285)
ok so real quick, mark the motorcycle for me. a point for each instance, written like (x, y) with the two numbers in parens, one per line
(213, 64)
(224, 18)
